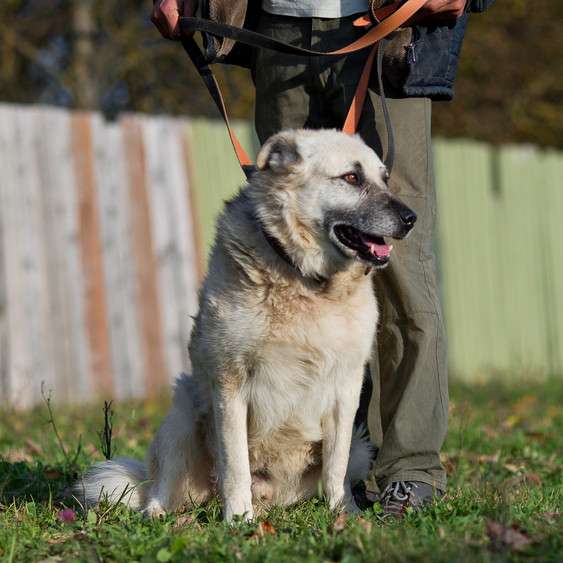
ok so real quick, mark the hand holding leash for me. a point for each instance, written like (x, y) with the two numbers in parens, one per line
(166, 15)
(439, 11)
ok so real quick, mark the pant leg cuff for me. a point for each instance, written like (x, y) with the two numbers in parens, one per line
(435, 482)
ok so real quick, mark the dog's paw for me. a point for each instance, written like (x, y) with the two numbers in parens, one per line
(154, 509)
(344, 503)
(238, 509)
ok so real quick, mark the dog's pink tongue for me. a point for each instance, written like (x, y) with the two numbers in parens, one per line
(379, 250)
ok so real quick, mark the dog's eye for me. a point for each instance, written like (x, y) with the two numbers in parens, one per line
(351, 178)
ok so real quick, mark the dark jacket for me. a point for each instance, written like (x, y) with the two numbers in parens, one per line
(432, 57)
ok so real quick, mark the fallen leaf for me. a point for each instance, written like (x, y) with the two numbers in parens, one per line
(506, 536)
(92, 450)
(529, 479)
(52, 474)
(184, 520)
(512, 468)
(34, 447)
(552, 516)
(66, 515)
(532, 479)
(340, 522)
(525, 404)
(490, 432)
(56, 539)
(132, 443)
(487, 458)
(265, 528)
(511, 421)
(15, 455)
(537, 435)
(365, 524)
(449, 463)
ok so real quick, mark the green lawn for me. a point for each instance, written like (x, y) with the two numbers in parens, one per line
(504, 456)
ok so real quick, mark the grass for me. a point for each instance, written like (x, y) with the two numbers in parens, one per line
(504, 457)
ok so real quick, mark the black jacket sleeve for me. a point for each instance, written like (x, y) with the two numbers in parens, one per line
(479, 5)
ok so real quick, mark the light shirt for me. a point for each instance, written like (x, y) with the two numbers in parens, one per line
(315, 8)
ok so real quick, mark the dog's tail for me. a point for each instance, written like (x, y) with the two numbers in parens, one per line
(119, 480)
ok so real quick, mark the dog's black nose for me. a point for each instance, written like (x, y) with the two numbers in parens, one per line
(408, 216)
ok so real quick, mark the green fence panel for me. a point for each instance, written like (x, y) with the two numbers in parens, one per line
(551, 249)
(215, 170)
(523, 272)
(501, 258)
(466, 225)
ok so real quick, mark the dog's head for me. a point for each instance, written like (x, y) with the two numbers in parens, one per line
(324, 195)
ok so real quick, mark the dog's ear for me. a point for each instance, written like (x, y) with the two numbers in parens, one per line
(278, 154)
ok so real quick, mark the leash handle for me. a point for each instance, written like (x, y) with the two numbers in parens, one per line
(391, 22)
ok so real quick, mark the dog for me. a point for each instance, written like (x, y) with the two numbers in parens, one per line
(286, 322)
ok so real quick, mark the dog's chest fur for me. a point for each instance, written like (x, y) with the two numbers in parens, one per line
(309, 344)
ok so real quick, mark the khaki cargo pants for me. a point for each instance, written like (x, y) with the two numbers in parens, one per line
(407, 415)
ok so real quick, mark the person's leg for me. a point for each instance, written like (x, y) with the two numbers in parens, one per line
(409, 407)
(407, 416)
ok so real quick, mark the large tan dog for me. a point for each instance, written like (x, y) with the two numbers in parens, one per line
(286, 324)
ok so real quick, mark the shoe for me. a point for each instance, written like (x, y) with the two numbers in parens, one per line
(400, 495)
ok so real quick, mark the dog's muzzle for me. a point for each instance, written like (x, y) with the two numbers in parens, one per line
(361, 235)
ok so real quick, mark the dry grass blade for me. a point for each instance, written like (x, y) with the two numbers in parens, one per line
(510, 537)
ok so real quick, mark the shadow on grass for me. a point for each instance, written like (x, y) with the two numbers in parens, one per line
(27, 481)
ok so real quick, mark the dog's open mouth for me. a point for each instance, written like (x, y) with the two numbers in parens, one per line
(369, 247)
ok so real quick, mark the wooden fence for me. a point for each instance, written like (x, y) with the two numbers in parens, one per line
(104, 229)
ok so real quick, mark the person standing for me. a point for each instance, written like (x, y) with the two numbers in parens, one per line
(408, 410)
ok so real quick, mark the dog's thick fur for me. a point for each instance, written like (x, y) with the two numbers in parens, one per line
(286, 324)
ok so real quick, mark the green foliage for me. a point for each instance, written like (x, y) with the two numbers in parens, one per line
(509, 86)
(503, 456)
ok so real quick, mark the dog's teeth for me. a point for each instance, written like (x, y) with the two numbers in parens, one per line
(390, 247)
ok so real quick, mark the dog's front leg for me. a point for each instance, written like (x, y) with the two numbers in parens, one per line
(230, 413)
(337, 437)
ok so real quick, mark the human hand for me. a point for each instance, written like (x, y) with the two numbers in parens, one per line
(440, 10)
(166, 13)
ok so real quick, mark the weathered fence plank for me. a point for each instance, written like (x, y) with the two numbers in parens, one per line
(65, 279)
(173, 238)
(31, 355)
(118, 258)
(147, 299)
(91, 252)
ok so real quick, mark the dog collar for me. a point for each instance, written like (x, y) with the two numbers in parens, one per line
(277, 247)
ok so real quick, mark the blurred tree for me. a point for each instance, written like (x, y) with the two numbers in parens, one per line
(108, 56)
(510, 84)
(84, 53)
